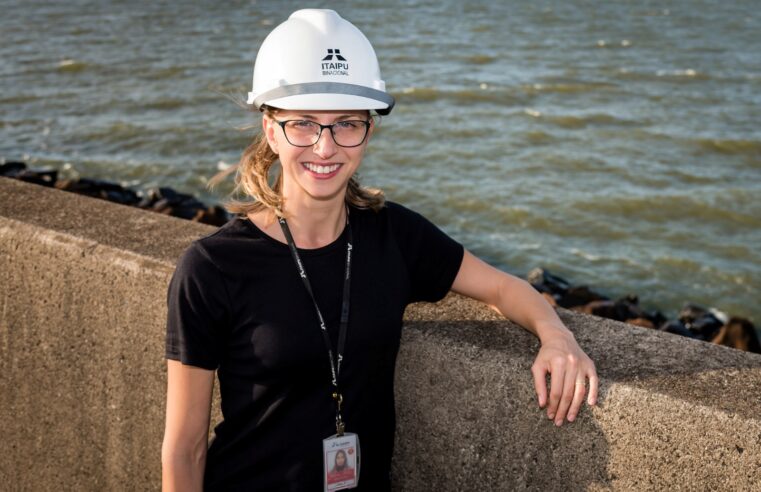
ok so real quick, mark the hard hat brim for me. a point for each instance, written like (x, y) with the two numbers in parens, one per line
(327, 102)
(325, 96)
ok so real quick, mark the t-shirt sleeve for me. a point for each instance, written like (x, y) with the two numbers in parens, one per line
(197, 310)
(432, 258)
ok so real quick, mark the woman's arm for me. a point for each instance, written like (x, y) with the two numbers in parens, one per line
(188, 406)
(559, 356)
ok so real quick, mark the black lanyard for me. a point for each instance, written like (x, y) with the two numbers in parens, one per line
(335, 366)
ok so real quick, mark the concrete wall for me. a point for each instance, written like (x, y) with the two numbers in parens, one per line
(82, 309)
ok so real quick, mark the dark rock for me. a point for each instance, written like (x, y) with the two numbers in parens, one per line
(214, 215)
(579, 295)
(620, 310)
(18, 170)
(738, 333)
(170, 202)
(706, 327)
(97, 188)
(12, 169)
(643, 322)
(604, 308)
(158, 199)
(676, 327)
(700, 321)
(657, 318)
(544, 281)
(690, 312)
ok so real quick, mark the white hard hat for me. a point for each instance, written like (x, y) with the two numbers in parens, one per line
(317, 60)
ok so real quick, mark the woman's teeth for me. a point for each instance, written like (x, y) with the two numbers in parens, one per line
(321, 169)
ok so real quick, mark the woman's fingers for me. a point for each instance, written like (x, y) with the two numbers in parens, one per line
(578, 397)
(539, 371)
(567, 377)
(593, 385)
(557, 375)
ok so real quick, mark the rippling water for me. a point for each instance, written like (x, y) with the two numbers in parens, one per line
(615, 143)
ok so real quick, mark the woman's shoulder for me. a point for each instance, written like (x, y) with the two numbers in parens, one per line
(217, 247)
(390, 210)
(398, 219)
(401, 216)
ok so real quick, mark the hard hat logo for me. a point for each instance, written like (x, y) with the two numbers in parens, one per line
(337, 53)
(330, 67)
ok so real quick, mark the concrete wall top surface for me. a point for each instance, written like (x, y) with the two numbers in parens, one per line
(156, 236)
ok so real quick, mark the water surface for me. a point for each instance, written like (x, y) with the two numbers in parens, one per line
(617, 144)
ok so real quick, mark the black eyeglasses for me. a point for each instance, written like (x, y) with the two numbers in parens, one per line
(305, 133)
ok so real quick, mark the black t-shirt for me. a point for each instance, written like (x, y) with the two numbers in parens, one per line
(237, 304)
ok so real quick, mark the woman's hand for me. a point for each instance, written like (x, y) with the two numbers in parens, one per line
(560, 356)
(569, 368)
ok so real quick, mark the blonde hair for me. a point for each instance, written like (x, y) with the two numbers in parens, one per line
(253, 176)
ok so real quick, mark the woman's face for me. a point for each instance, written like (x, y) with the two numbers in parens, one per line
(321, 171)
(340, 459)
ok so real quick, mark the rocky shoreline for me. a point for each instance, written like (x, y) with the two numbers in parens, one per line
(161, 199)
(693, 321)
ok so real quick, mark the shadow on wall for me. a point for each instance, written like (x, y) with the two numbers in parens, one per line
(467, 417)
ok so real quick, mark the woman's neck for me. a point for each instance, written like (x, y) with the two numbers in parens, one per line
(313, 224)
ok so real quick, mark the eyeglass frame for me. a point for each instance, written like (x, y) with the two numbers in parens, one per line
(322, 127)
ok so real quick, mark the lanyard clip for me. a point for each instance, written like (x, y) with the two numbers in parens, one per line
(340, 426)
(338, 397)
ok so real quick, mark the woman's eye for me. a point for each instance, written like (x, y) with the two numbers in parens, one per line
(348, 125)
(302, 124)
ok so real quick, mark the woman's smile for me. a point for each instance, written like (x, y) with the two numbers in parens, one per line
(322, 170)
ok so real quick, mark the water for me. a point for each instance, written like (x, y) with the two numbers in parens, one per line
(617, 144)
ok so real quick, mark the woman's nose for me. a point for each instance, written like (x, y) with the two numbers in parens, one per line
(325, 147)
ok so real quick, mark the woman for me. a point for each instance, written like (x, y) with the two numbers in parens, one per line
(297, 303)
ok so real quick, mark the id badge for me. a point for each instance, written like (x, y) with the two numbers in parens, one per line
(340, 457)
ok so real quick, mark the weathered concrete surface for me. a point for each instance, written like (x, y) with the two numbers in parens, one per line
(674, 413)
(83, 291)
(82, 310)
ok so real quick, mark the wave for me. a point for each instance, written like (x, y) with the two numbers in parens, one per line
(661, 209)
(20, 98)
(70, 65)
(566, 87)
(500, 95)
(730, 146)
(164, 73)
(538, 137)
(688, 178)
(687, 72)
(675, 75)
(115, 132)
(574, 122)
(165, 104)
(483, 94)
(480, 59)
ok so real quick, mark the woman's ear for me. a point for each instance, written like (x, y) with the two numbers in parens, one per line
(268, 127)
